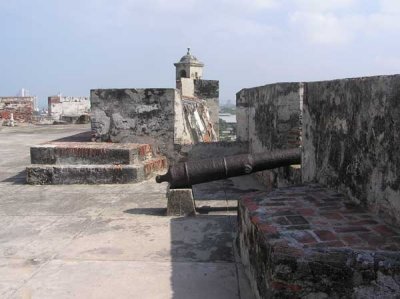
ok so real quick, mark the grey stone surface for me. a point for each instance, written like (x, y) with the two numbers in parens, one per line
(160, 117)
(180, 202)
(269, 118)
(134, 115)
(41, 174)
(85, 153)
(85, 241)
(193, 123)
(351, 140)
(208, 90)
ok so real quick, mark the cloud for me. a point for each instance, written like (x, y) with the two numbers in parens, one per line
(390, 6)
(242, 27)
(325, 5)
(253, 4)
(389, 63)
(337, 22)
(326, 28)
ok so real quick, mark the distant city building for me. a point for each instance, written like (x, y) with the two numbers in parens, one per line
(228, 118)
(68, 108)
(21, 107)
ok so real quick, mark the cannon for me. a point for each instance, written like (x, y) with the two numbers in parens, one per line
(186, 174)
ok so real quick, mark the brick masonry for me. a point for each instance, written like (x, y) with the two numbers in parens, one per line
(309, 241)
(22, 108)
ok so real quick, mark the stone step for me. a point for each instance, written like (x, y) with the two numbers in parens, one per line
(98, 153)
(44, 174)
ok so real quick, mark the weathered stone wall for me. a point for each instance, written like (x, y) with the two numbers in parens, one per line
(351, 134)
(269, 118)
(135, 115)
(193, 123)
(22, 108)
(59, 106)
(161, 117)
(208, 90)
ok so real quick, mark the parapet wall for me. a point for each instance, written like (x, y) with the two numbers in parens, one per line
(351, 139)
(269, 118)
(135, 115)
(161, 117)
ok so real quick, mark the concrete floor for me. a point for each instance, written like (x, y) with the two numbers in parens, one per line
(110, 241)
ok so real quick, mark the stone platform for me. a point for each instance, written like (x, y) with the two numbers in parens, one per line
(82, 162)
(90, 153)
(308, 241)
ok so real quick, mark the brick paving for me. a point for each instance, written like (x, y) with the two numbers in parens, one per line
(307, 216)
(308, 240)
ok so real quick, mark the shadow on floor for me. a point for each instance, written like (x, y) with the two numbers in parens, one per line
(207, 242)
(18, 179)
(202, 258)
(208, 209)
(227, 189)
(80, 137)
(147, 211)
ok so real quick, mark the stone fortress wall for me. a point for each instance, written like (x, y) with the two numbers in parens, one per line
(269, 118)
(348, 130)
(169, 119)
(351, 140)
(135, 115)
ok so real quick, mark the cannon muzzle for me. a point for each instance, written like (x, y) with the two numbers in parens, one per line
(189, 173)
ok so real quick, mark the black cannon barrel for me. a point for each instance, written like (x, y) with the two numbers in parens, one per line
(189, 173)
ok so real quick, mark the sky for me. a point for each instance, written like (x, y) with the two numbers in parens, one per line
(72, 46)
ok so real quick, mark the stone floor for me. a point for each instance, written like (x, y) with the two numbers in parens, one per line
(110, 241)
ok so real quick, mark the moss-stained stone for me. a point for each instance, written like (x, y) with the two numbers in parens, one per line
(351, 140)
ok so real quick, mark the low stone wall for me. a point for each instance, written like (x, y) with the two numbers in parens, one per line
(135, 115)
(351, 132)
(161, 117)
(269, 118)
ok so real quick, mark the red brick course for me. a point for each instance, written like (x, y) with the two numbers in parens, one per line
(312, 215)
(314, 241)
